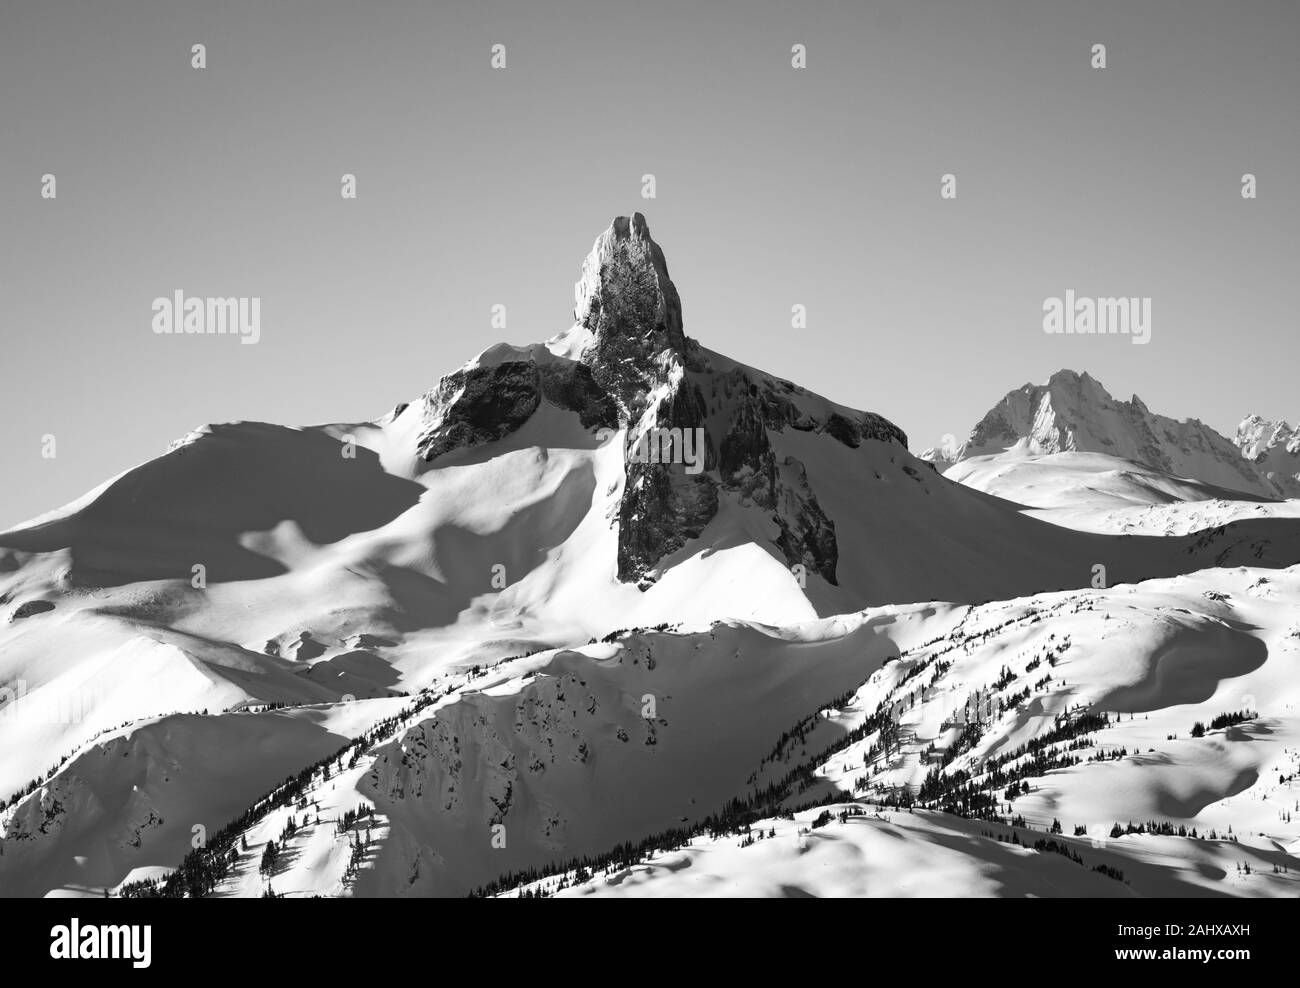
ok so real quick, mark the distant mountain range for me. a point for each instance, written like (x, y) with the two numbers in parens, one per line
(1074, 413)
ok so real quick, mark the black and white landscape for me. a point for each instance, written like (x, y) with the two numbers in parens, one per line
(932, 530)
(615, 614)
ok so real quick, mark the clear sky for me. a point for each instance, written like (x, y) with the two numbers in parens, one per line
(775, 186)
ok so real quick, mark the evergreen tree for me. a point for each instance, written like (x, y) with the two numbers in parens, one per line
(269, 857)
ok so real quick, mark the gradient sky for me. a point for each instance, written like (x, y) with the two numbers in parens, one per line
(775, 187)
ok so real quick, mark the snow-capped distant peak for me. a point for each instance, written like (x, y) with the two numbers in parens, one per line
(1073, 413)
(1273, 449)
(1256, 436)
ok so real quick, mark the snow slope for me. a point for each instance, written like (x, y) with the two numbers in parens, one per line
(487, 623)
(887, 853)
(1093, 492)
(561, 753)
(129, 803)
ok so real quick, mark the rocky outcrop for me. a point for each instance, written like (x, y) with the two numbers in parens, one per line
(630, 307)
(663, 380)
(30, 608)
(807, 536)
(627, 363)
(481, 404)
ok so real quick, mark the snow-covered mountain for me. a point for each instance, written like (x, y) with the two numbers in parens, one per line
(583, 593)
(1273, 448)
(1073, 413)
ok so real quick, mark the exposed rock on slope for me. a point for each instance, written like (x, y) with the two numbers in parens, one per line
(483, 403)
(627, 363)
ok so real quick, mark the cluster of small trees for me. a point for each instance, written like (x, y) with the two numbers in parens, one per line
(1109, 872)
(270, 855)
(753, 836)
(1163, 828)
(1005, 678)
(360, 844)
(1221, 721)
(618, 633)
(1058, 847)
(966, 741)
(1114, 755)
(362, 812)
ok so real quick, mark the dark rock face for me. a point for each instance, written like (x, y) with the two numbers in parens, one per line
(661, 510)
(807, 536)
(664, 506)
(748, 466)
(640, 354)
(763, 403)
(483, 404)
(639, 371)
(31, 607)
(630, 305)
(573, 386)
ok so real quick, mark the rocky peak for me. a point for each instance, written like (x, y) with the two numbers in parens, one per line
(625, 291)
(631, 311)
(1273, 448)
(628, 364)
(1256, 436)
(1073, 412)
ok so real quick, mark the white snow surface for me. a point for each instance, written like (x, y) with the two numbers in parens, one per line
(446, 647)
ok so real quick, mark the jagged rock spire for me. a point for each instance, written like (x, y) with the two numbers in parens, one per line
(631, 308)
(627, 364)
(625, 289)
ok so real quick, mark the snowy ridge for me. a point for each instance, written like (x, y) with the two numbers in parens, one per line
(1074, 413)
(480, 645)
